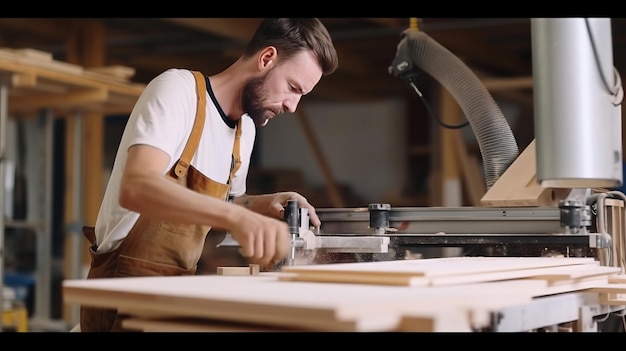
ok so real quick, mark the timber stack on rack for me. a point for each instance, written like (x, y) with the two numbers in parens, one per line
(32, 81)
(38, 81)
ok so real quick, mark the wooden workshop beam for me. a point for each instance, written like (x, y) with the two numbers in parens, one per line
(499, 84)
(336, 198)
(450, 173)
(72, 100)
(87, 46)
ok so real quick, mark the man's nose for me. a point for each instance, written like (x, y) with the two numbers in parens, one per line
(291, 104)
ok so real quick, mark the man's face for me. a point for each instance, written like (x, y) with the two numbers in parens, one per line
(280, 88)
(254, 97)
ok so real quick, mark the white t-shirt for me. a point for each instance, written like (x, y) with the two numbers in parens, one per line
(163, 117)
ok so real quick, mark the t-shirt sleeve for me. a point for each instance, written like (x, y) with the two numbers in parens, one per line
(164, 113)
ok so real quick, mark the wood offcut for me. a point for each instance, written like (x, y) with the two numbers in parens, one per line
(252, 269)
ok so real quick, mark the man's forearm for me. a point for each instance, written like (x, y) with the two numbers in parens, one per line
(257, 203)
(243, 200)
(162, 198)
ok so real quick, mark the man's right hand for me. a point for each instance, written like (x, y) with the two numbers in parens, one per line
(264, 240)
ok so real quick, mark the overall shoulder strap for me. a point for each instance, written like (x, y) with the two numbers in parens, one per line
(236, 152)
(194, 138)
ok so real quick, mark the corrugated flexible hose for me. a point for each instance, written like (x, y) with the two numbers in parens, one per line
(497, 144)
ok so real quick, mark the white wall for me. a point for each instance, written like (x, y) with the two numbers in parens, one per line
(364, 145)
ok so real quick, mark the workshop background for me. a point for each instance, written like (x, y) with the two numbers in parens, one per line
(362, 136)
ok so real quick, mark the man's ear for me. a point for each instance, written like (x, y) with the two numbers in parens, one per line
(267, 57)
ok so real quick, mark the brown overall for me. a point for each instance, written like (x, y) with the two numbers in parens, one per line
(154, 247)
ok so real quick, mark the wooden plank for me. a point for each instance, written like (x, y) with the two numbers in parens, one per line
(554, 275)
(32, 84)
(252, 269)
(438, 271)
(447, 320)
(233, 271)
(36, 60)
(121, 74)
(31, 88)
(117, 71)
(380, 279)
(611, 288)
(472, 177)
(618, 279)
(583, 284)
(518, 186)
(265, 299)
(612, 294)
(450, 170)
(615, 227)
(199, 325)
(74, 98)
(29, 53)
(498, 84)
(561, 275)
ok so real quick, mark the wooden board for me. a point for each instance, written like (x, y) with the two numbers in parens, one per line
(438, 271)
(192, 325)
(518, 185)
(612, 294)
(28, 53)
(276, 301)
(37, 82)
(120, 74)
(251, 269)
(618, 279)
(41, 59)
(265, 299)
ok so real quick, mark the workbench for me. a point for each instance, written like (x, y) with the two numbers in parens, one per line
(461, 294)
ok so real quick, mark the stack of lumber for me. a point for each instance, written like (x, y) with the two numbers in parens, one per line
(457, 270)
(42, 59)
(447, 294)
(37, 81)
(38, 58)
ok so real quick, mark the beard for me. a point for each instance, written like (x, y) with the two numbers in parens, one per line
(253, 98)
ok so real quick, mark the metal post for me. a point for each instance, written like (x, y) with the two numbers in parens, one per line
(3, 128)
(75, 228)
(42, 317)
(44, 252)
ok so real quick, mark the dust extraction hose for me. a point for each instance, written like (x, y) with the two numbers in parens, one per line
(497, 144)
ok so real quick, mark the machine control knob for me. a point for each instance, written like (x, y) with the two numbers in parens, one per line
(379, 217)
(575, 216)
(292, 216)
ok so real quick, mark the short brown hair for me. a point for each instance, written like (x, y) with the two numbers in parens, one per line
(292, 35)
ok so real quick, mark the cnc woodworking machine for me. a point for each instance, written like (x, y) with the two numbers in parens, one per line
(550, 199)
(562, 208)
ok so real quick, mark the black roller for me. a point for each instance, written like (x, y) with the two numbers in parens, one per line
(379, 215)
(292, 216)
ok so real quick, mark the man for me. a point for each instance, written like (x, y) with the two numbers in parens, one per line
(178, 164)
